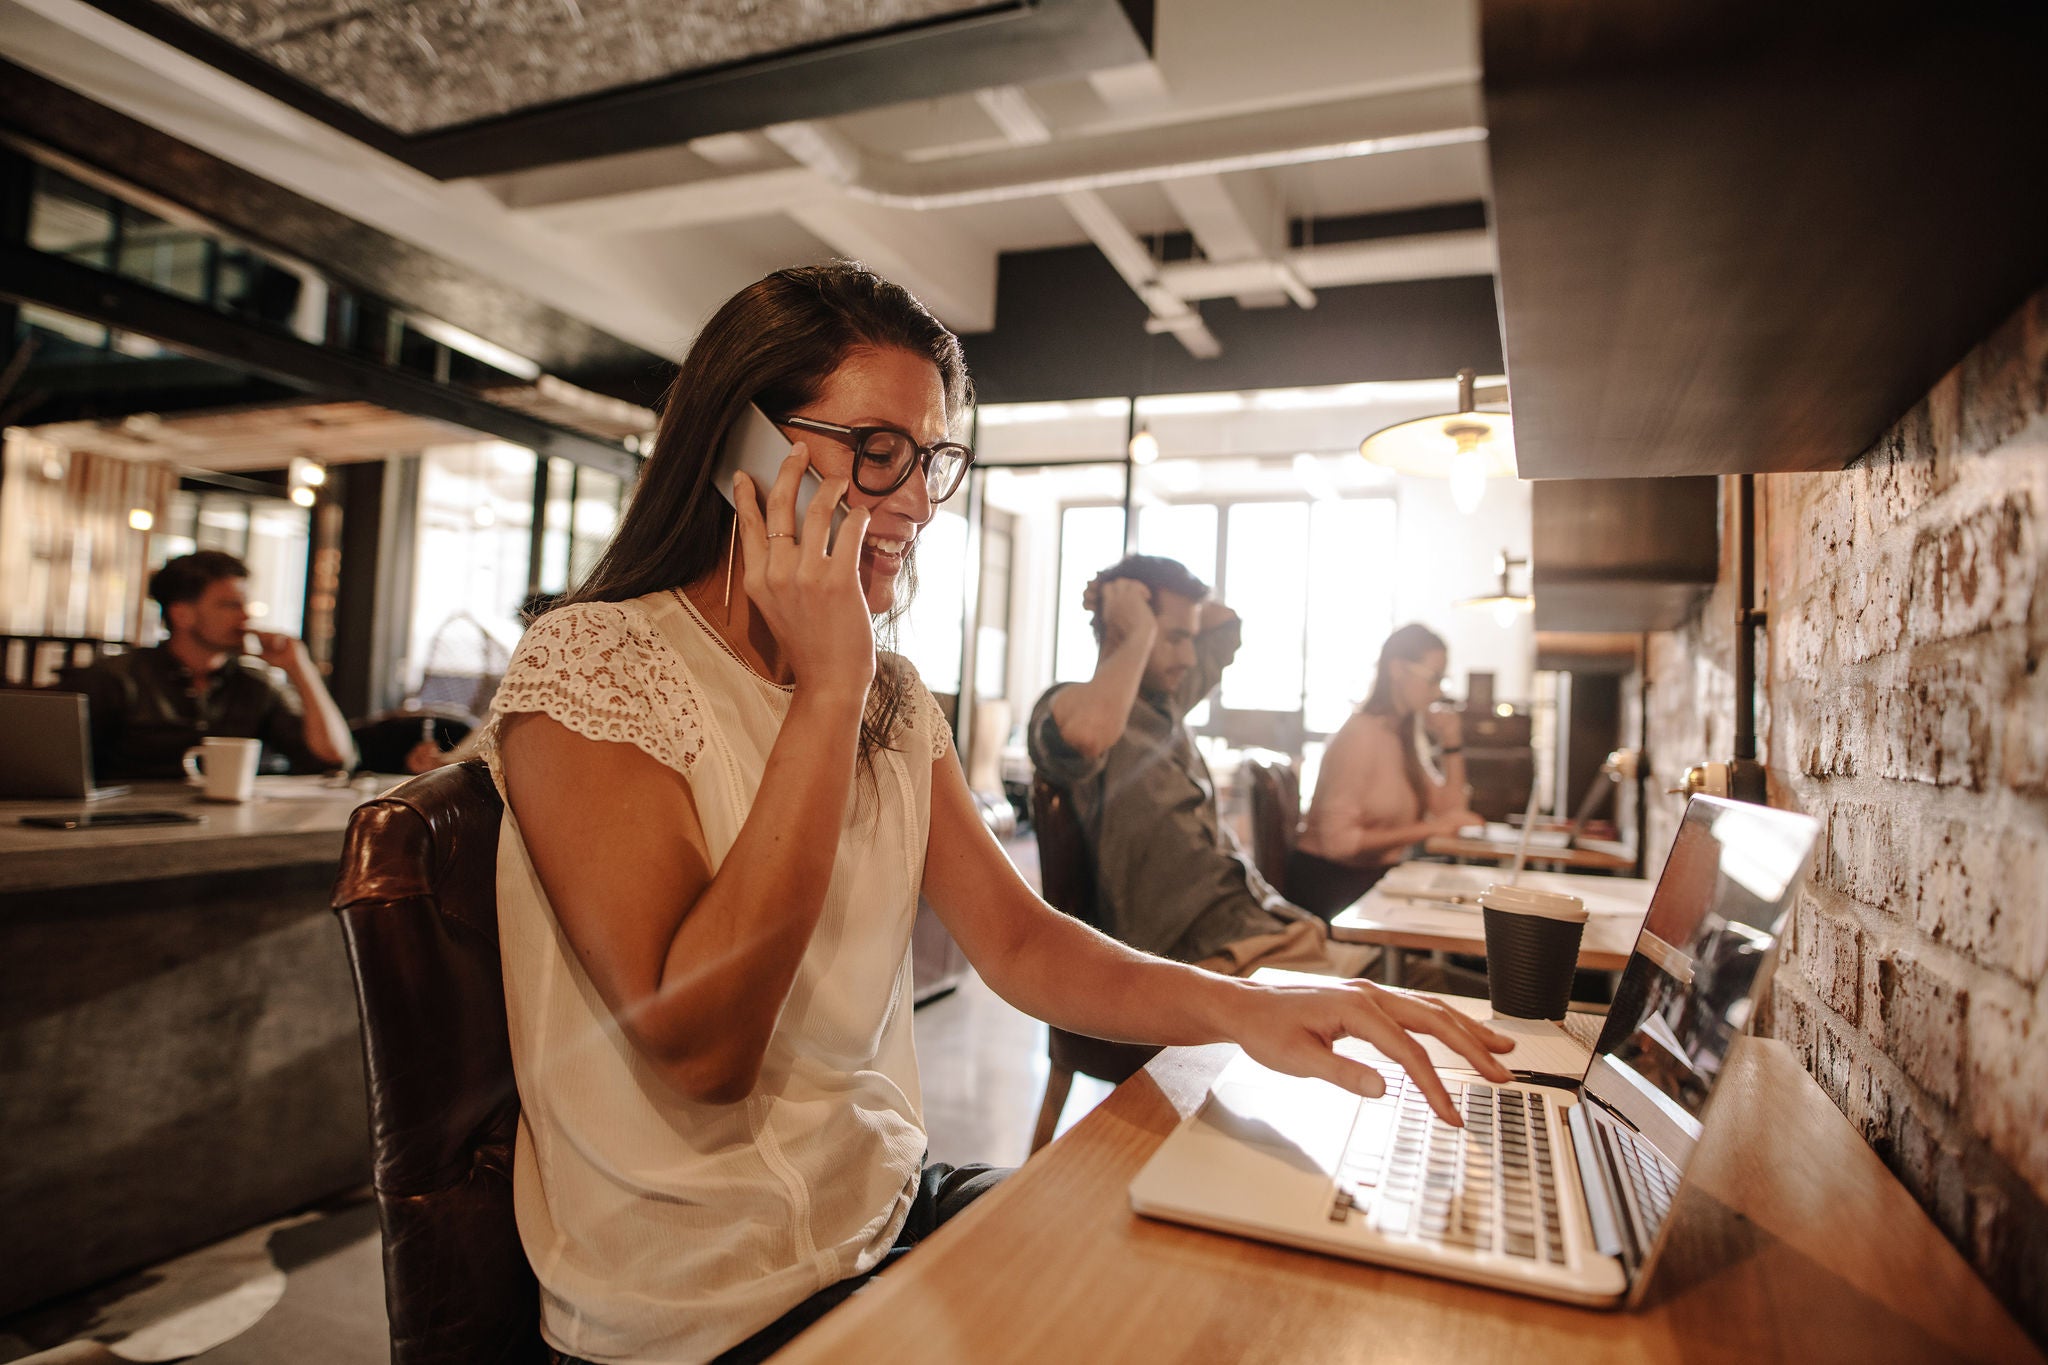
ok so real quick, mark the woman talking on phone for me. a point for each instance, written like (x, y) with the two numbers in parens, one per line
(1377, 793)
(722, 805)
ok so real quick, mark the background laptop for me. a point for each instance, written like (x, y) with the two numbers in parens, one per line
(1559, 1189)
(46, 748)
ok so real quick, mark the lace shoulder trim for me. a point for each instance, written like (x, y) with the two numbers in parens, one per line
(603, 670)
(926, 714)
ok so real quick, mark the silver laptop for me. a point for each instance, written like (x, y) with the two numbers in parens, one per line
(1559, 1185)
(46, 748)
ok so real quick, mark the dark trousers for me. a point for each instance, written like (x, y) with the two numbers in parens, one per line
(1322, 887)
(942, 1191)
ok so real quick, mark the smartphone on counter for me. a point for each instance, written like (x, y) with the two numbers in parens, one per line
(757, 446)
(109, 819)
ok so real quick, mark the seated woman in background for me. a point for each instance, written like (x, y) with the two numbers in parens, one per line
(1377, 794)
(722, 804)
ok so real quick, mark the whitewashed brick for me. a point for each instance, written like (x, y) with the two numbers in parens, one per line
(1983, 889)
(1833, 961)
(1972, 574)
(1863, 859)
(1921, 1023)
(2009, 1084)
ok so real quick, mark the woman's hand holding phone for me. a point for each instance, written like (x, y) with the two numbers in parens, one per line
(809, 595)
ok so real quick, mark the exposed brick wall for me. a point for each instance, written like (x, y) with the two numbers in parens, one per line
(1904, 705)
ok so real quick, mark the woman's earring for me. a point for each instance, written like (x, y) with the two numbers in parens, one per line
(732, 543)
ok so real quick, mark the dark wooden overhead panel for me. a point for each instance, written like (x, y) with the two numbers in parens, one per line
(1621, 554)
(1748, 236)
(1000, 43)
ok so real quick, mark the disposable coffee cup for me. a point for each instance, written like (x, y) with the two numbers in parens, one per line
(1532, 949)
(223, 769)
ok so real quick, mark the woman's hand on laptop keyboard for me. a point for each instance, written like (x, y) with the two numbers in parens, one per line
(1295, 1029)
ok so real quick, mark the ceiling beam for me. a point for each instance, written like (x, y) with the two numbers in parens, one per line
(693, 203)
(1129, 257)
(36, 277)
(952, 272)
(77, 46)
(1006, 40)
(1237, 218)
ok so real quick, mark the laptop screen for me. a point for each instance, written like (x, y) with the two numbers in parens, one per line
(1699, 966)
(45, 746)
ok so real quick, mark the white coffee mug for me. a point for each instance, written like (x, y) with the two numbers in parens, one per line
(225, 769)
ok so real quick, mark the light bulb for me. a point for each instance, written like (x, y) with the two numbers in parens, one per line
(1505, 611)
(141, 518)
(1468, 480)
(304, 496)
(1144, 446)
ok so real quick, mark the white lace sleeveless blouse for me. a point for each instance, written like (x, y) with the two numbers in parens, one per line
(664, 1230)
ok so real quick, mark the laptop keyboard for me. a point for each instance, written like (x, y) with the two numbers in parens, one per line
(1648, 1180)
(1491, 1186)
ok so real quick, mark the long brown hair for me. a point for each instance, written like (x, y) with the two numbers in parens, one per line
(1411, 643)
(773, 344)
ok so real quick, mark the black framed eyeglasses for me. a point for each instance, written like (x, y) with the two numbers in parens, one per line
(884, 458)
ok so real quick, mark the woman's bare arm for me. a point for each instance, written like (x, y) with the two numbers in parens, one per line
(695, 967)
(1059, 970)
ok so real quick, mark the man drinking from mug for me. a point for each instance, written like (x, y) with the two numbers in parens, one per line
(150, 705)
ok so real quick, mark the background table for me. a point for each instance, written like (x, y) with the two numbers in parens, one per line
(1400, 924)
(1792, 1243)
(179, 1054)
(1588, 857)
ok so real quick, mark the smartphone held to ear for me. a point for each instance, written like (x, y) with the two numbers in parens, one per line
(757, 447)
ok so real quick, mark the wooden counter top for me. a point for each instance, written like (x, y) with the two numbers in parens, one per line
(1792, 1243)
(292, 820)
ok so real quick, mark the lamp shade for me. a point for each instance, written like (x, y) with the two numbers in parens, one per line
(1428, 446)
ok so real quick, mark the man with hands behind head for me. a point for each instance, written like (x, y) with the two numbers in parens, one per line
(148, 706)
(1170, 879)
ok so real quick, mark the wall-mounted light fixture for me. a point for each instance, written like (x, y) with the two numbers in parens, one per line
(1468, 447)
(1507, 605)
(304, 476)
(1144, 445)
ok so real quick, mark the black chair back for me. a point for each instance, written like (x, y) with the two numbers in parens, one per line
(1067, 876)
(1276, 817)
(418, 903)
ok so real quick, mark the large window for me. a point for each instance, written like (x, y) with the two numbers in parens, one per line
(1266, 582)
(475, 537)
(1350, 605)
(1182, 531)
(580, 513)
(1091, 539)
(930, 634)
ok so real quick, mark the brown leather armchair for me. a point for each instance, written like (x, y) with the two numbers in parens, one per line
(418, 902)
(1068, 880)
(1276, 818)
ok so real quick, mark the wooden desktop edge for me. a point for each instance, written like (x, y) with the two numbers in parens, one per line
(1800, 1246)
(1449, 846)
(1420, 940)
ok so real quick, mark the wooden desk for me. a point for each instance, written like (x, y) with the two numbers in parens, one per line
(179, 1052)
(1793, 1243)
(292, 820)
(1586, 858)
(1405, 925)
